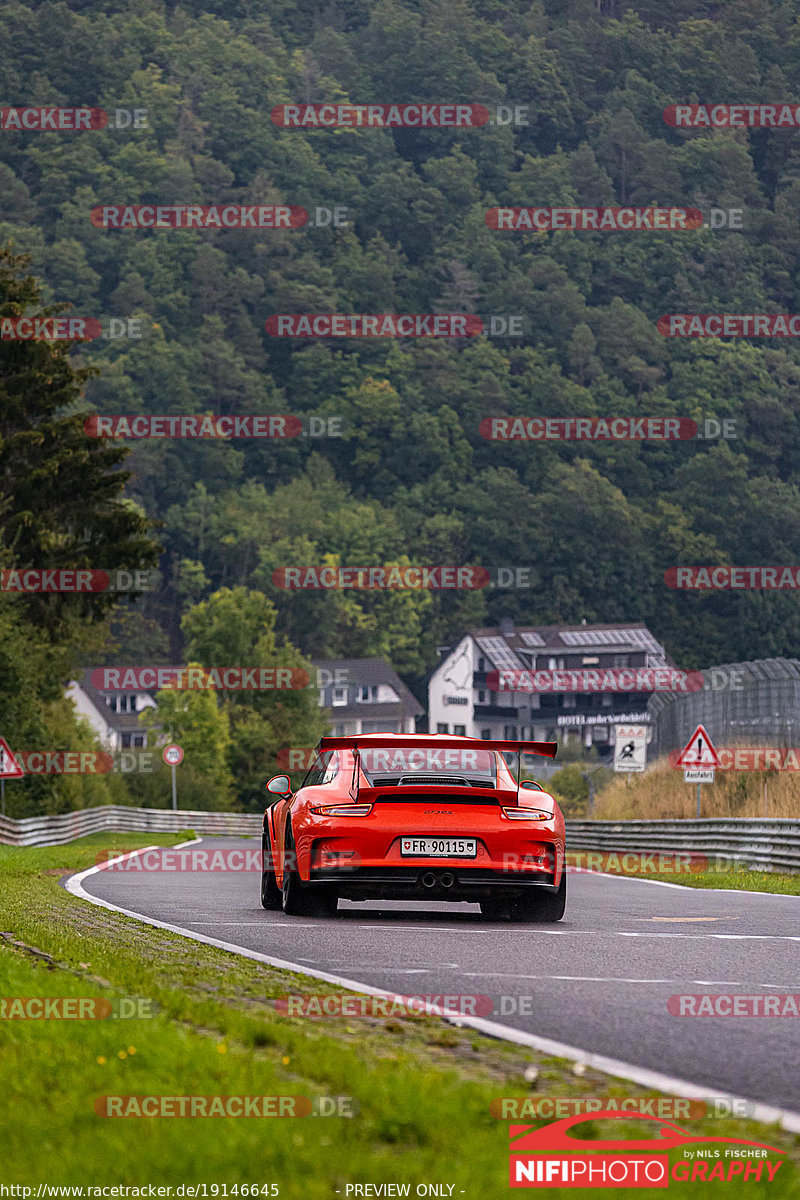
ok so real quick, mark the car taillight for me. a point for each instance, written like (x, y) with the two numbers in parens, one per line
(343, 810)
(527, 814)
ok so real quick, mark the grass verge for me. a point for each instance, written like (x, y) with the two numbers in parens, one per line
(731, 878)
(421, 1089)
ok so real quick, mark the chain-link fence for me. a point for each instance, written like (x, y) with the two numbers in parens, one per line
(750, 703)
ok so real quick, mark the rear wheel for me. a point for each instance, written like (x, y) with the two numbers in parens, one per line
(541, 906)
(270, 892)
(297, 901)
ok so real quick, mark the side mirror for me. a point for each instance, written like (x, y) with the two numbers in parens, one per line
(530, 783)
(280, 785)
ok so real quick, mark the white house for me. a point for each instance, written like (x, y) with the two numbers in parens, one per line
(460, 700)
(114, 715)
(363, 695)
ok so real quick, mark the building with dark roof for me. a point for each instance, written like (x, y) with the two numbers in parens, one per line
(365, 695)
(112, 714)
(462, 695)
(362, 695)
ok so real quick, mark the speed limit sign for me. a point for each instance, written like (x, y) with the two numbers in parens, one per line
(172, 755)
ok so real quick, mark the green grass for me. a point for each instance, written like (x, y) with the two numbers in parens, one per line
(421, 1089)
(740, 879)
(731, 877)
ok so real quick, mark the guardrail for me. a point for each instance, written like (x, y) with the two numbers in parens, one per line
(764, 845)
(119, 818)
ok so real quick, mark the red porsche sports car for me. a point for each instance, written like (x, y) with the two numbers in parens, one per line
(415, 817)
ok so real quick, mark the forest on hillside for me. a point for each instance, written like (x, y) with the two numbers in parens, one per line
(410, 478)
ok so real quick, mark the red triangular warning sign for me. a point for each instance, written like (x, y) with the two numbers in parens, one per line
(9, 767)
(699, 751)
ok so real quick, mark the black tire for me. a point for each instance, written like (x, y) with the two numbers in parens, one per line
(270, 892)
(542, 907)
(297, 901)
(496, 910)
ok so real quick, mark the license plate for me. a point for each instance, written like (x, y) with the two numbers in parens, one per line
(428, 847)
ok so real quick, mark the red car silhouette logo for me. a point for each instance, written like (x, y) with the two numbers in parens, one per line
(554, 1137)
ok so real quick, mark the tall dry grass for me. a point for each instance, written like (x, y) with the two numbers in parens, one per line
(660, 793)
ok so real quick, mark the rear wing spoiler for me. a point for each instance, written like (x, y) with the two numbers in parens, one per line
(432, 741)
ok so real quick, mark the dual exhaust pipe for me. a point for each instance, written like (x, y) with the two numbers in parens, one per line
(445, 879)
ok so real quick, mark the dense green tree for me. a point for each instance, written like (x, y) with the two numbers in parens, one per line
(236, 628)
(411, 478)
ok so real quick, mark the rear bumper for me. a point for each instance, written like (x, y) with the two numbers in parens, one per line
(415, 882)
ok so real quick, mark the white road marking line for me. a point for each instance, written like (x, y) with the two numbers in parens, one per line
(425, 928)
(702, 937)
(687, 919)
(265, 924)
(670, 1085)
(372, 966)
(530, 931)
(601, 979)
(785, 987)
(569, 978)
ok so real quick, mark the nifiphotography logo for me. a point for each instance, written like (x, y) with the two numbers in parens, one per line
(549, 1157)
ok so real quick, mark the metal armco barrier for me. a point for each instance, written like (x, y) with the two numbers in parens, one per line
(764, 845)
(66, 827)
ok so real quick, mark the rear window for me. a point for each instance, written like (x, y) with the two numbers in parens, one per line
(323, 770)
(409, 764)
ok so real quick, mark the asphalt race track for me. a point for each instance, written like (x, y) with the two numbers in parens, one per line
(599, 980)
